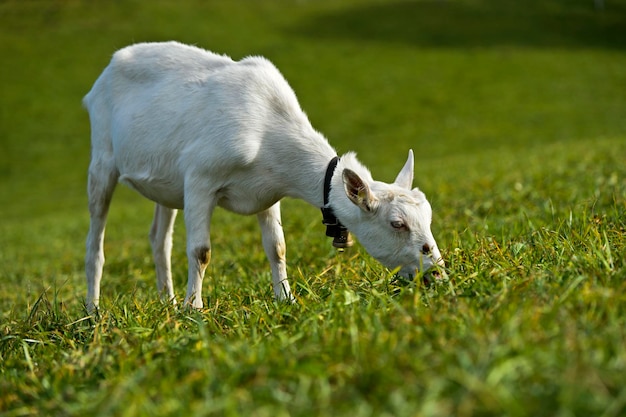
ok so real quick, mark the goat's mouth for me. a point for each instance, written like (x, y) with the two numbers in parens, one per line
(433, 275)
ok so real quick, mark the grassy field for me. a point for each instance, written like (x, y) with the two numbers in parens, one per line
(517, 114)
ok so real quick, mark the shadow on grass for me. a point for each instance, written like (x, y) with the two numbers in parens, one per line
(479, 23)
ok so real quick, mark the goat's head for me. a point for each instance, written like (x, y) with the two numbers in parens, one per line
(393, 222)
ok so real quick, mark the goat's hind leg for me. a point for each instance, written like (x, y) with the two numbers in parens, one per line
(101, 183)
(161, 241)
(275, 249)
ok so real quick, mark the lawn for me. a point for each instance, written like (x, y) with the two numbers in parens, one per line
(517, 115)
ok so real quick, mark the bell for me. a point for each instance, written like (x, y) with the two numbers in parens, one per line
(342, 239)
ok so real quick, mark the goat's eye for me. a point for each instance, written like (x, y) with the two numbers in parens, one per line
(398, 225)
(426, 249)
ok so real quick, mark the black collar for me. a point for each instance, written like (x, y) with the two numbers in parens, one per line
(334, 228)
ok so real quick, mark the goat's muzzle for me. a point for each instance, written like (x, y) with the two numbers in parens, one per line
(434, 274)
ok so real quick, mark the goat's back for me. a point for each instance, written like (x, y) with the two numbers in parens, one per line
(157, 89)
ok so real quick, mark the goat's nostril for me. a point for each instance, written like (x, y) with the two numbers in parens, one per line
(426, 249)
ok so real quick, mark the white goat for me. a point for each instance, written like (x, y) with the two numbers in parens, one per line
(193, 130)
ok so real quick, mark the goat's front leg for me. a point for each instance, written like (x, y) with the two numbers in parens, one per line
(275, 249)
(198, 214)
(161, 241)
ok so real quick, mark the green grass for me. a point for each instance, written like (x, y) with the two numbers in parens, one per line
(517, 114)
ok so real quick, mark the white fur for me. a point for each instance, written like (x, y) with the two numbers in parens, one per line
(193, 130)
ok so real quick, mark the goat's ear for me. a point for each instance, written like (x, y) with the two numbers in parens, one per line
(357, 190)
(405, 177)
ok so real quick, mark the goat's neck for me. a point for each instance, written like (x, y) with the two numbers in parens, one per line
(308, 183)
(301, 167)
